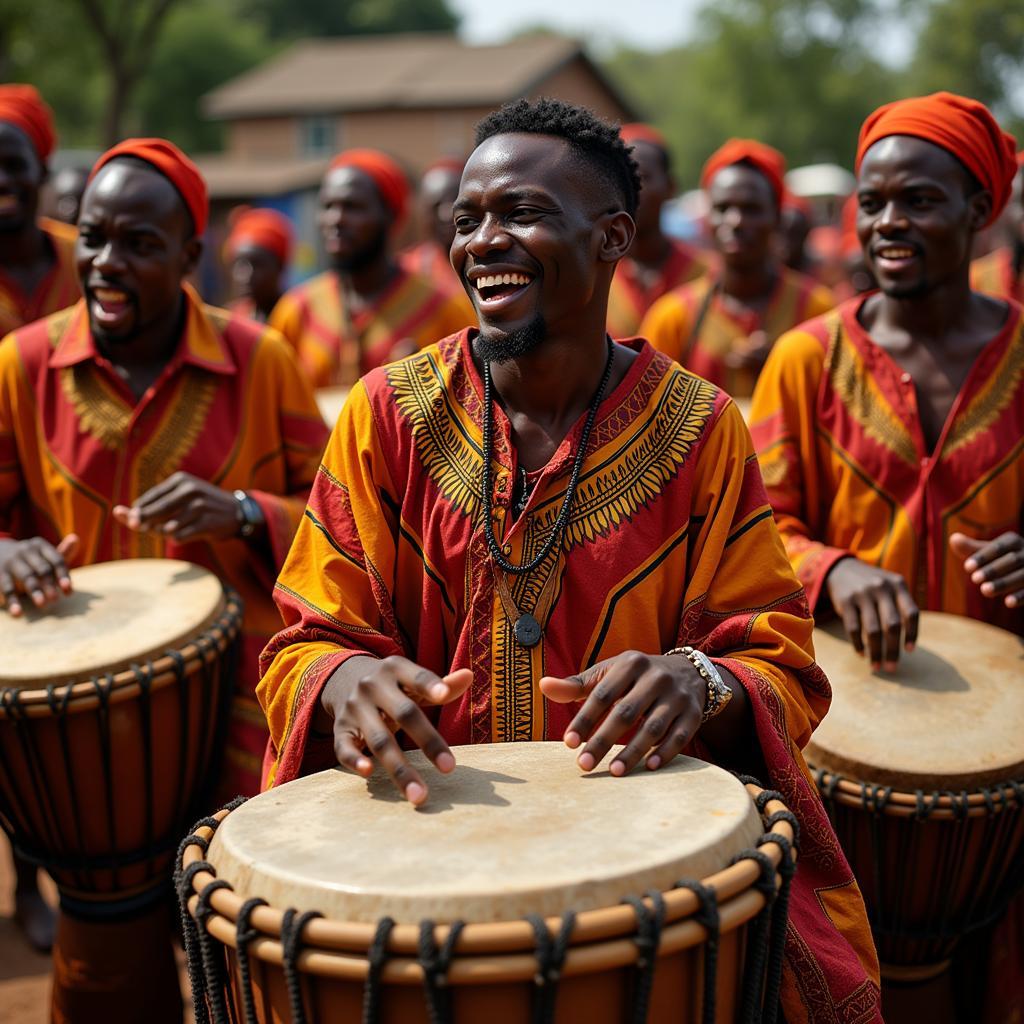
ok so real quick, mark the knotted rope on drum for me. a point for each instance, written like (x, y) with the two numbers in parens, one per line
(244, 935)
(376, 957)
(435, 960)
(550, 953)
(649, 924)
(291, 945)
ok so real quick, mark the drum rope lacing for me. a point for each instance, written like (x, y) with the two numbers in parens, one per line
(17, 813)
(899, 843)
(207, 966)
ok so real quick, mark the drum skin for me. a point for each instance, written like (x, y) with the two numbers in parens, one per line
(492, 974)
(929, 804)
(101, 769)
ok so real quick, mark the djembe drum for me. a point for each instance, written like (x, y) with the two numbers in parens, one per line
(922, 773)
(522, 891)
(112, 708)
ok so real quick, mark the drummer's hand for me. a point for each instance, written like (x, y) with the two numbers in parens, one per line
(664, 694)
(35, 568)
(875, 606)
(997, 566)
(369, 700)
(183, 508)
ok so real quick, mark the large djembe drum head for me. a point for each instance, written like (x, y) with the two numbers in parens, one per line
(921, 771)
(111, 706)
(514, 835)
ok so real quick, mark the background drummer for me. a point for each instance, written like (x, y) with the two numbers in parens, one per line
(140, 423)
(889, 432)
(399, 610)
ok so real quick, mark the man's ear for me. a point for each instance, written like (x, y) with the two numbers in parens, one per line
(192, 251)
(980, 209)
(619, 230)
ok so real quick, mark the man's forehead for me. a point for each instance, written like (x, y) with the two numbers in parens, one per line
(125, 185)
(13, 138)
(740, 180)
(520, 160)
(907, 155)
(348, 181)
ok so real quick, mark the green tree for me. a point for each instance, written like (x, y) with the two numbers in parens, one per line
(351, 17)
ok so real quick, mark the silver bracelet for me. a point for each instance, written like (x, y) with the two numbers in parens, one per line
(718, 692)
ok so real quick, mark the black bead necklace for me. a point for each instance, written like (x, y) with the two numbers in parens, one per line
(563, 513)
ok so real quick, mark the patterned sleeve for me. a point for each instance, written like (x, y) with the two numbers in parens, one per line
(335, 590)
(783, 424)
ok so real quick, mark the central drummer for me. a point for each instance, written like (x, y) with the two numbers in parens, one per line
(530, 532)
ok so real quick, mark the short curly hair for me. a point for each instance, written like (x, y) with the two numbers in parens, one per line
(597, 142)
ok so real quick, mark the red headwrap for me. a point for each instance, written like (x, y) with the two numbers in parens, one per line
(173, 165)
(266, 228)
(961, 126)
(389, 178)
(770, 162)
(22, 106)
(637, 132)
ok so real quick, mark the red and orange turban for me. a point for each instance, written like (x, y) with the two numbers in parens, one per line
(770, 162)
(173, 165)
(638, 132)
(961, 126)
(385, 173)
(266, 228)
(22, 106)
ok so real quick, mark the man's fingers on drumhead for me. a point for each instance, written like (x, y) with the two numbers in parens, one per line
(409, 717)
(891, 624)
(384, 748)
(680, 733)
(851, 623)
(651, 733)
(416, 679)
(348, 750)
(9, 594)
(871, 631)
(612, 685)
(910, 614)
(58, 567)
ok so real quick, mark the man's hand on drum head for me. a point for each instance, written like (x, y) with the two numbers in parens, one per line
(995, 566)
(184, 508)
(35, 569)
(876, 608)
(369, 700)
(662, 696)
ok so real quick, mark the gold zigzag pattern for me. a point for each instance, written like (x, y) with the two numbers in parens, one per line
(100, 412)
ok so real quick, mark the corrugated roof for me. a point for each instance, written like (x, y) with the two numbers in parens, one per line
(376, 72)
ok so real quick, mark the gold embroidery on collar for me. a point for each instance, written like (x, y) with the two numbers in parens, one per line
(101, 413)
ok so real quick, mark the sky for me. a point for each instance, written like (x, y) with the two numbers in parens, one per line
(647, 24)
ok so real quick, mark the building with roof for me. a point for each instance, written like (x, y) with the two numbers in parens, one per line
(416, 96)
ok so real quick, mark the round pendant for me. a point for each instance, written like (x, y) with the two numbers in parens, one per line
(526, 630)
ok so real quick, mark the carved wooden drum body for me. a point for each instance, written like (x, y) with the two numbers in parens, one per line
(522, 891)
(922, 773)
(111, 707)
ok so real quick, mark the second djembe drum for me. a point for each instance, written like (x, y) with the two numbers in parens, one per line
(922, 773)
(522, 891)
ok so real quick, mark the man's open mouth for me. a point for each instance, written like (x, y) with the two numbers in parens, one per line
(492, 288)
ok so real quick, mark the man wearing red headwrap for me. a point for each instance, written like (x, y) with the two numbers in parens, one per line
(258, 249)
(656, 263)
(1001, 272)
(723, 325)
(367, 309)
(141, 423)
(889, 431)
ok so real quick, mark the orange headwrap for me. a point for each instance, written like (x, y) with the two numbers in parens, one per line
(637, 132)
(173, 165)
(266, 228)
(389, 178)
(770, 162)
(961, 126)
(22, 106)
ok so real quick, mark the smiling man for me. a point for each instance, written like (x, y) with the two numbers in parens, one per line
(367, 309)
(724, 325)
(527, 510)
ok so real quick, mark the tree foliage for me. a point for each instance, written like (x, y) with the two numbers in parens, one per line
(351, 17)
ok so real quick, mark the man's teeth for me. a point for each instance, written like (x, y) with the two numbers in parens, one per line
(896, 254)
(107, 295)
(495, 279)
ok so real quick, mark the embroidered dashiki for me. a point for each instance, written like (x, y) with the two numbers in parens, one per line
(58, 290)
(629, 299)
(670, 540)
(230, 407)
(996, 274)
(698, 308)
(335, 348)
(835, 423)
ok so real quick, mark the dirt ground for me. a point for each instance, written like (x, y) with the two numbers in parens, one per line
(25, 974)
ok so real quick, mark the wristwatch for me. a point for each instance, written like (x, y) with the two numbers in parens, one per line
(718, 692)
(249, 514)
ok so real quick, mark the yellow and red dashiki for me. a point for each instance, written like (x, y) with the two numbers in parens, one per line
(698, 306)
(995, 274)
(58, 290)
(835, 423)
(230, 407)
(336, 348)
(629, 300)
(670, 540)
(430, 260)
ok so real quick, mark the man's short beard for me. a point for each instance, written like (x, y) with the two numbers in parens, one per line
(499, 347)
(370, 253)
